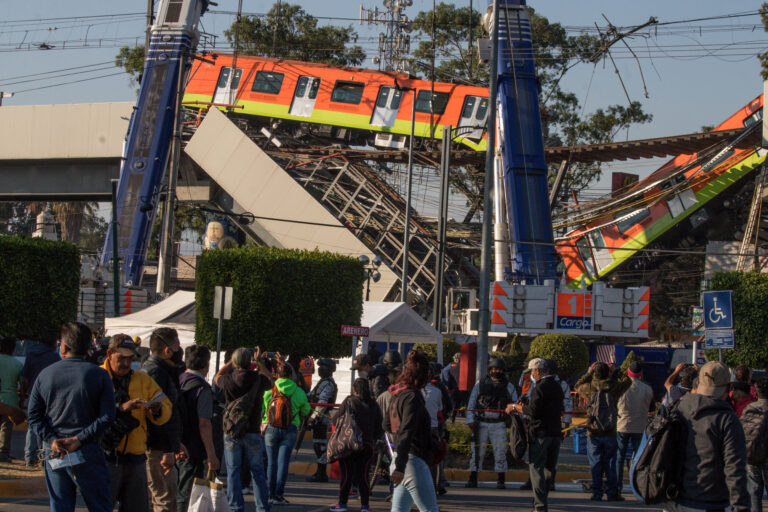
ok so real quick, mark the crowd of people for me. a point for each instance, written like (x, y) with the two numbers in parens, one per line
(138, 438)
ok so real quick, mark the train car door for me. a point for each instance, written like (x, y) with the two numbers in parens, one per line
(387, 105)
(679, 202)
(304, 98)
(594, 253)
(226, 87)
(473, 114)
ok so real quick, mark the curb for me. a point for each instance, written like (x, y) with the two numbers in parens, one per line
(458, 475)
(20, 487)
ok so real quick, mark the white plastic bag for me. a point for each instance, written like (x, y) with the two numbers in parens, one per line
(208, 495)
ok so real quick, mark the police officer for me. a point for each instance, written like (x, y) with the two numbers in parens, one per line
(494, 392)
(319, 420)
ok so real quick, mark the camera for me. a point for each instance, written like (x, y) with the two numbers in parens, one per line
(122, 426)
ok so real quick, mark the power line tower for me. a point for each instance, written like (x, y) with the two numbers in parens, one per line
(395, 42)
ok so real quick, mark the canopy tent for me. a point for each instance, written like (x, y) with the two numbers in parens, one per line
(177, 311)
(396, 322)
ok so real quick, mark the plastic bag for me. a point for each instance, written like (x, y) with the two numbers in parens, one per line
(208, 495)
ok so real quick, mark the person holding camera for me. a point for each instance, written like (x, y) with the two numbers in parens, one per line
(71, 405)
(138, 400)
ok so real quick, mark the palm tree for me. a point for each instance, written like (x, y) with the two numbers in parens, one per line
(69, 216)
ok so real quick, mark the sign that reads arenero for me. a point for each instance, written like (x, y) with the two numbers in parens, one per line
(355, 330)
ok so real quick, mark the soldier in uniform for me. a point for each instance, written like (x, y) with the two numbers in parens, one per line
(494, 392)
(319, 420)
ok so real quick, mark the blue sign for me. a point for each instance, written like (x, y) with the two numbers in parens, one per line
(718, 338)
(718, 309)
(568, 322)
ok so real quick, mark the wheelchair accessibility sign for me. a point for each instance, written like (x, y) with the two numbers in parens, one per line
(718, 309)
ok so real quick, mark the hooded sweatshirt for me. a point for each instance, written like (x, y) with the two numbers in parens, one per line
(715, 473)
(588, 385)
(299, 403)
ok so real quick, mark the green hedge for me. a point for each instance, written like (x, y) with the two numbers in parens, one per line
(287, 300)
(41, 282)
(569, 351)
(750, 298)
(450, 348)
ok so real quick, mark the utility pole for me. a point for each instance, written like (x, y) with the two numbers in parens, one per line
(150, 22)
(485, 268)
(442, 221)
(166, 240)
(274, 30)
(395, 43)
(407, 226)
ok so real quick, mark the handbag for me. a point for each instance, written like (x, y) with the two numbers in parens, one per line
(345, 440)
(208, 495)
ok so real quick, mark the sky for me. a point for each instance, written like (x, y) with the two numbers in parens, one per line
(696, 73)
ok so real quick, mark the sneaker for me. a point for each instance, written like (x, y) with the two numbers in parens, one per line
(247, 490)
(441, 491)
(280, 501)
(595, 497)
(526, 486)
(339, 507)
(500, 485)
(365, 509)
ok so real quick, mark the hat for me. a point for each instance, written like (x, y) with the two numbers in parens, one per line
(537, 364)
(714, 378)
(635, 369)
(359, 361)
(117, 342)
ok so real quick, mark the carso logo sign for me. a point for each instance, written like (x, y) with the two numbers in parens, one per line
(574, 311)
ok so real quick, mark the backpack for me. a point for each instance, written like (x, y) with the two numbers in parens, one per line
(757, 448)
(518, 438)
(279, 413)
(656, 474)
(603, 412)
(237, 413)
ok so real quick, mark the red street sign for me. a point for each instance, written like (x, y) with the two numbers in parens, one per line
(355, 330)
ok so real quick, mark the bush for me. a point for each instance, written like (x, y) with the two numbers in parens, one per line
(41, 282)
(450, 348)
(631, 358)
(288, 300)
(568, 351)
(459, 440)
(750, 296)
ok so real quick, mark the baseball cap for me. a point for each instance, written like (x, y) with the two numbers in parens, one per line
(714, 378)
(635, 369)
(118, 342)
(360, 361)
(537, 364)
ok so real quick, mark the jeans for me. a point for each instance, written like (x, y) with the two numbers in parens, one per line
(32, 448)
(417, 487)
(542, 455)
(128, 485)
(243, 454)
(625, 441)
(280, 442)
(91, 478)
(757, 480)
(601, 452)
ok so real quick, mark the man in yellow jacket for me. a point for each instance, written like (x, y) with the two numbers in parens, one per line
(138, 399)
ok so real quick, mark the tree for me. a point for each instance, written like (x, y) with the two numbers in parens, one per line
(556, 53)
(568, 351)
(132, 60)
(750, 295)
(764, 56)
(288, 32)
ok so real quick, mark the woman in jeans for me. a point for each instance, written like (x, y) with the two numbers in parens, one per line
(409, 422)
(280, 441)
(354, 469)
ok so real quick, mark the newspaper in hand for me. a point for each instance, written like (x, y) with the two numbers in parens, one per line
(156, 399)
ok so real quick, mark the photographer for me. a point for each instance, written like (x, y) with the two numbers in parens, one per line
(138, 398)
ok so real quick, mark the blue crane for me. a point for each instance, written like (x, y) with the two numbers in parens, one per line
(173, 40)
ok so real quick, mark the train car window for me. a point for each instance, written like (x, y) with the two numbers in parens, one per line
(173, 13)
(301, 87)
(439, 102)
(313, 87)
(469, 106)
(482, 110)
(347, 92)
(624, 225)
(268, 82)
(385, 93)
(223, 78)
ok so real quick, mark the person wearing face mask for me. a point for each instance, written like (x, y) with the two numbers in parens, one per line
(362, 365)
(494, 392)
(164, 365)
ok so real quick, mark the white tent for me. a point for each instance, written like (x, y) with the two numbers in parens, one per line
(176, 311)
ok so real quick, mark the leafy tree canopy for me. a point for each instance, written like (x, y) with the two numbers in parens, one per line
(132, 60)
(288, 32)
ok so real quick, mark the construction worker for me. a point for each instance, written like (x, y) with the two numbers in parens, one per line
(319, 420)
(493, 393)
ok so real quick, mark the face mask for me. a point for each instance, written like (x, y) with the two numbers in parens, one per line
(362, 374)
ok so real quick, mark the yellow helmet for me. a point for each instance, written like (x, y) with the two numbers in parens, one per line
(137, 340)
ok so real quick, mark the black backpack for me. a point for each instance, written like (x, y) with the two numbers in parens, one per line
(237, 413)
(603, 413)
(518, 438)
(656, 475)
(757, 447)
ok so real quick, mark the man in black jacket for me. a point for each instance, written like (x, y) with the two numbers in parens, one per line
(544, 411)
(164, 365)
(715, 472)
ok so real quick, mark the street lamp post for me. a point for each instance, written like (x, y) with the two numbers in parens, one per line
(371, 272)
